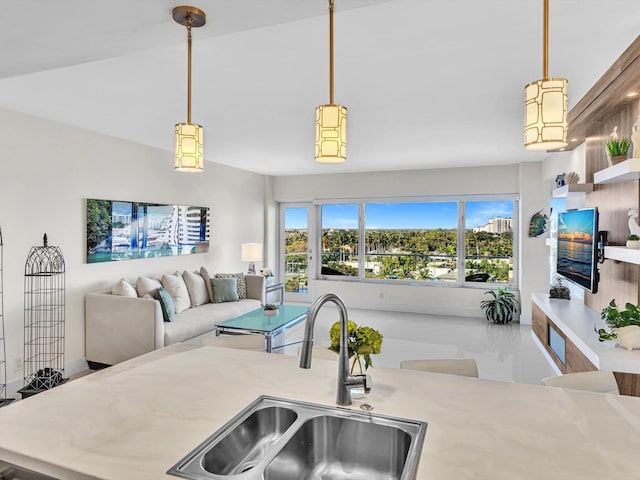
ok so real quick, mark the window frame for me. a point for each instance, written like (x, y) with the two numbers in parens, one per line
(461, 201)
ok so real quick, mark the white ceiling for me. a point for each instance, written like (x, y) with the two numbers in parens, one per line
(427, 84)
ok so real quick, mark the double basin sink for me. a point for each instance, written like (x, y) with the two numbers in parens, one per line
(279, 439)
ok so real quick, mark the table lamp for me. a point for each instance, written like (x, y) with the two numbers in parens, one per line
(251, 252)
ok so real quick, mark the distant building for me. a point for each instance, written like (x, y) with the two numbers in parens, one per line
(496, 225)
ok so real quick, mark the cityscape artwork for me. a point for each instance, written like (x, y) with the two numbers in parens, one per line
(128, 230)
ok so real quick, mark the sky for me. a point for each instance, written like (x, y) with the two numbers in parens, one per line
(403, 215)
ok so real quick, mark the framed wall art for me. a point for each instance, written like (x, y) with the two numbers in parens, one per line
(119, 230)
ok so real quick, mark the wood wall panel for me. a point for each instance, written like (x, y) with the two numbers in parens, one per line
(618, 280)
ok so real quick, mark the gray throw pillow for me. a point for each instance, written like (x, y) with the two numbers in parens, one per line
(242, 284)
(224, 289)
(166, 304)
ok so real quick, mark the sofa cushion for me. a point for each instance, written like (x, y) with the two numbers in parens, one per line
(124, 289)
(197, 287)
(148, 285)
(242, 285)
(207, 275)
(196, 321)
(225, 290)
(174, 284)
(166, 304)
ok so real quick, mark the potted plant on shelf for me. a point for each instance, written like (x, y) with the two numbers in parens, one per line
(362, 342)
(501, 307)
(618, 149)
(623, 326)
(271, 310)
(633, 241)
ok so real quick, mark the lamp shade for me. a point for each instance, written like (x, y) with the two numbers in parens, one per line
(331, 134)
(189, 154)
(251, 252)
(545, 114)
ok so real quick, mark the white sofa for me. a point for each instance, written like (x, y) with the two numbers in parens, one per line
(119, 328)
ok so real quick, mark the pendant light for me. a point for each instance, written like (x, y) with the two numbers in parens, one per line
(189, 152)
(331, 119)
(545, 105)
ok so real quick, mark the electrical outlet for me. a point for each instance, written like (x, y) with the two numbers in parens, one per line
(17, 364)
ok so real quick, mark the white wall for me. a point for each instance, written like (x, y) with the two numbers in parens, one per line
(432, 299)
(534, 252)
(49, 169)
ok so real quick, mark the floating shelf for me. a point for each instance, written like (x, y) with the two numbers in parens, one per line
(622, 172)
(572, 190)
(623, 254)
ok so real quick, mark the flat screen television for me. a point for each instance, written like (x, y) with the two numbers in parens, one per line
(578, 247)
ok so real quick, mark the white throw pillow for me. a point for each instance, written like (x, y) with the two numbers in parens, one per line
(124, 289)
(174, 284)
(197, 288)
(148, 285)
(207, 275)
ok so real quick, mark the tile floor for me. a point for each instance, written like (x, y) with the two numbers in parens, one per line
(502, 352)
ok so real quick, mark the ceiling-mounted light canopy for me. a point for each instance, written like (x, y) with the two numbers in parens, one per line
(545, 105)
(189, 152)
(331, 120)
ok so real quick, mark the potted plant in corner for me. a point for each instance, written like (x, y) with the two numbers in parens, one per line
(633, 241)
(501, 307)
(618, 149)
(270, 310)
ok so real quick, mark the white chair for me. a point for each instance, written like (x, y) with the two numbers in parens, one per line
(240, 342)
(466, 367)
(598, 381)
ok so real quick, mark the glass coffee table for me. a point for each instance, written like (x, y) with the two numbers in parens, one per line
(272, 328)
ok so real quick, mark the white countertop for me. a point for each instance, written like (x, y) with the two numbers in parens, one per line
(137, 419)
(577, 322)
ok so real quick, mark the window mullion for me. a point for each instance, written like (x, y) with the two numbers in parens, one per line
(461, 243)
(361, 241)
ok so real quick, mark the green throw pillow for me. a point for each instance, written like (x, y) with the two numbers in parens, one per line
(225, 290)
(166, 304)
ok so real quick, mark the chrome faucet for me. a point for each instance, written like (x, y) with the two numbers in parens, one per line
(345, 381)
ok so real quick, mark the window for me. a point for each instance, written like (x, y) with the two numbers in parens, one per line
(295, 249)
(340, 238)
(464, 240)
(489, 241)
(411, 241)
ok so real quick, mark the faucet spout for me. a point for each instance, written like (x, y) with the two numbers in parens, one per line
(345, 381)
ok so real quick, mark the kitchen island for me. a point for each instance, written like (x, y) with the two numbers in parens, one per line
(137, 419)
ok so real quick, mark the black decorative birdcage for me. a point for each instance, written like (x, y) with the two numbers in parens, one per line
(44, 315)
(3, 354)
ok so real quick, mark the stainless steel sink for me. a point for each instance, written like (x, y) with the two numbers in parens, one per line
(279, 439)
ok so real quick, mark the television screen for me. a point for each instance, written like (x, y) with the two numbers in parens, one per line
(577, 247)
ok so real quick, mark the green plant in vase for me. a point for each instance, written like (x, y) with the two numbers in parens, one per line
(615, 318)
(362, 342)
(618, 149)
(633, 241)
